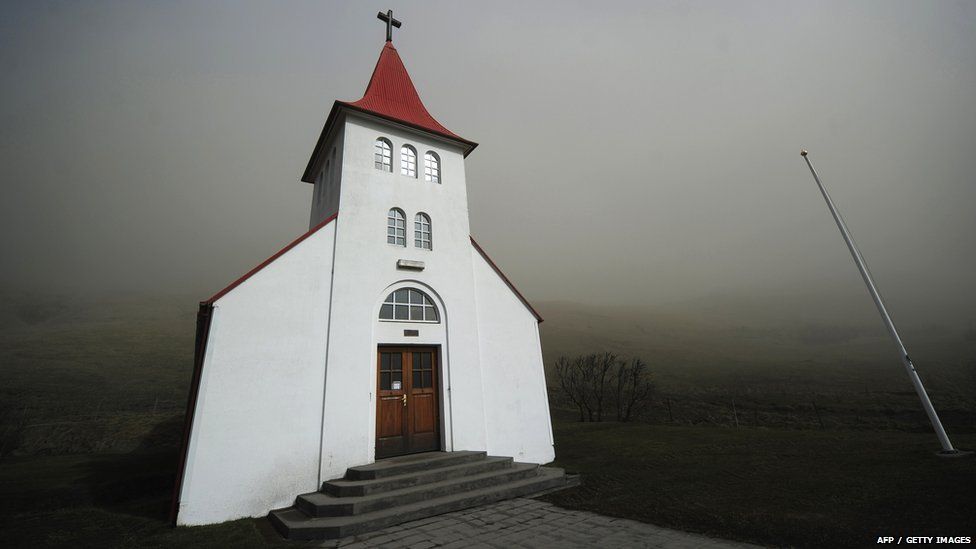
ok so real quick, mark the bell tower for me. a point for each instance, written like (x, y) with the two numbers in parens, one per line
(394, 178)
(390, 106)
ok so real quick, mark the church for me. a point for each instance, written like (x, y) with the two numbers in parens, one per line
(383, 332)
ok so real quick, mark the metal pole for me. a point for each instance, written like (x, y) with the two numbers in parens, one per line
(909, 367)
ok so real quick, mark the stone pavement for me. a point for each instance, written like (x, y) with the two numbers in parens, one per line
(527, 523)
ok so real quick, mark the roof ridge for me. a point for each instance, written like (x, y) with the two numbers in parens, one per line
(268, 261)
(505, 279)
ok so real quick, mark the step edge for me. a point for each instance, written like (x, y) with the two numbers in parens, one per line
(521, 471)
(379, 471)
(339, 485)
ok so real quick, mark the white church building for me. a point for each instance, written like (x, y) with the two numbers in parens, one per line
(384, 330)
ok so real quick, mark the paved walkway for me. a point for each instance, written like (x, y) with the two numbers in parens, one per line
(527, 523)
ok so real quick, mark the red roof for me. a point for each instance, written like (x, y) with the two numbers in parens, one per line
(390, 94)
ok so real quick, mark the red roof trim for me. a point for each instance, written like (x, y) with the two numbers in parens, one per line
(505, 279)
(470, 145)
(268, 261)
(309, 177)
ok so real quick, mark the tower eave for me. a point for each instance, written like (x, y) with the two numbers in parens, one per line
(337, 113)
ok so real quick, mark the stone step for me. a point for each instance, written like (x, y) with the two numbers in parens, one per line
(294, 524)
(318, 504)
(346, 488)
(390, 467)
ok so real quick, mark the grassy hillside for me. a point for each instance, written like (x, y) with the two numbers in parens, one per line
(83, 376)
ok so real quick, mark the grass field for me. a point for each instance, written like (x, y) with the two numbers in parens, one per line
(105, 500)
(768, 486)
(92, 394)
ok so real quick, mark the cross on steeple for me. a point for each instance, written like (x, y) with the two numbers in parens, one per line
(390, 23)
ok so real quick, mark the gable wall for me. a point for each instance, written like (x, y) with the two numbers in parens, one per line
(516, 400)
(255, 439)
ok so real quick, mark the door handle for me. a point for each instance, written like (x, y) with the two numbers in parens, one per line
(404, 399)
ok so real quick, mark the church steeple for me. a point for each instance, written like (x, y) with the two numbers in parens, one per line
(390, 95)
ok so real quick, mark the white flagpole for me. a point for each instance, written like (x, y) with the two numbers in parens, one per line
(909, 367)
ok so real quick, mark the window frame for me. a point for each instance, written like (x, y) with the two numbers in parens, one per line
(393, 216)
(425, 304)
(406, 162)
(432, 167)
(419, 220)
(381, 147)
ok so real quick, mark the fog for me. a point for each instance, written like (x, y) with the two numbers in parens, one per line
(641, 153)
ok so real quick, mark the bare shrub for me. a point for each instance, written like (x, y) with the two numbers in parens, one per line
(634, 389)
(599, 383)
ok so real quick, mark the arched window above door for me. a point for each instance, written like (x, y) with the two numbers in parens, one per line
(409, 305)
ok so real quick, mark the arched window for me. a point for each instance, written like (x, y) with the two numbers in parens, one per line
(408, 161)
(383, 155)
(421, 231)
(432, 167)
(409, 304)
(396, 227)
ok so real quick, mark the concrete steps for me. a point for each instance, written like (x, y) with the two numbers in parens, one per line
(397, 490)
(412, 463)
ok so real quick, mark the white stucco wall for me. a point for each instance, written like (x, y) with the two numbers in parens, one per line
(516, 401)
(256, 432)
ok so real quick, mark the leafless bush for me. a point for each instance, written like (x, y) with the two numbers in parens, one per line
(596, 383)
(634, 388)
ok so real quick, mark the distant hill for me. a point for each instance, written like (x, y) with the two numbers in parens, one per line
(707, 354)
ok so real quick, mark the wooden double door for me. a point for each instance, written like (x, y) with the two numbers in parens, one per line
(407, 411)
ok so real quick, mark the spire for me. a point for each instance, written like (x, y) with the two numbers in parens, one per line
(390, 94)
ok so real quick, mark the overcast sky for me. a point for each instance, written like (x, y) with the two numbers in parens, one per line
(629, 151)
